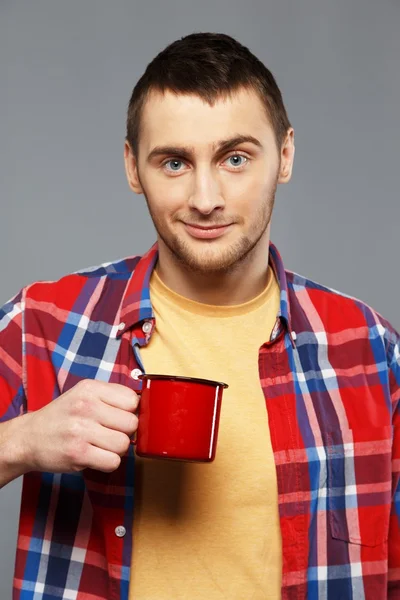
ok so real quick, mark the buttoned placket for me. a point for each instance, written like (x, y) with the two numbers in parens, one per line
(119, 539)
(272, 354)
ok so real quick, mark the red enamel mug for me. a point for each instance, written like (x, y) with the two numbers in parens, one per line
(178, 417)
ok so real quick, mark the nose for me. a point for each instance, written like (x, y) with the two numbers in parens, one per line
(206, 195)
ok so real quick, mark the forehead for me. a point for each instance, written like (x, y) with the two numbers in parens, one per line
(188, 120)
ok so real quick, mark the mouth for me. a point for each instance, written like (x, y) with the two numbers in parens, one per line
(207, 232)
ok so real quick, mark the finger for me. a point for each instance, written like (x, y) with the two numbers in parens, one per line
(116, 419)
(121, 397)
(109, 439)
(113, 394)
(101, 460)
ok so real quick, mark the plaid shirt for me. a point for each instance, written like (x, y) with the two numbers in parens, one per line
(331, 378)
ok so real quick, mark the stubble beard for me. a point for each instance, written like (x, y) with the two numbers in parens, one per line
(207, 260)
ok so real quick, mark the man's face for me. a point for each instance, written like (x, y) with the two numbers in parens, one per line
(211, 205)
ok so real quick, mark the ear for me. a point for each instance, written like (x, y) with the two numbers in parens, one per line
(287, 157)
(131, 169)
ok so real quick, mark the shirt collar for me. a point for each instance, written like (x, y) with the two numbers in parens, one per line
(136, 305)
(276, 262)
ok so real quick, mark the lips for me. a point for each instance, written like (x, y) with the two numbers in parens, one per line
(208, 232)
(206, 226)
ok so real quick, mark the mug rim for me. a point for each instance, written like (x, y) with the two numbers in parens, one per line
(182, 378)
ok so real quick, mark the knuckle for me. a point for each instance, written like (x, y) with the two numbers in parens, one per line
(83, 406)
(112, 463)
(120, 443)
(87, 389)
(125, 443)
(132, 397)
(85, 386)
(133, 424)
(116, 462)
(73, 431)
(76, 453)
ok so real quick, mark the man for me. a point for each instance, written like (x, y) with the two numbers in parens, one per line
(302, 500)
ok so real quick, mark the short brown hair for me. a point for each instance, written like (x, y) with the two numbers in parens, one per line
(210, 65)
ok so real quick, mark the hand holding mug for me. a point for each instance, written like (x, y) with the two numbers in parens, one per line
(90, 426)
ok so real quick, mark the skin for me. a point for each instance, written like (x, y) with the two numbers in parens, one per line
(196, 183)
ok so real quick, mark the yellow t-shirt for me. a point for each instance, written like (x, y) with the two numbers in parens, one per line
(211, 531)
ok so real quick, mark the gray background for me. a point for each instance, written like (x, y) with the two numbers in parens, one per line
(66, 73)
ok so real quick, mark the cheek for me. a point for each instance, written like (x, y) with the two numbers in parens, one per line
(164, 204)
(246, 192)
(266, 185)
(164, 191)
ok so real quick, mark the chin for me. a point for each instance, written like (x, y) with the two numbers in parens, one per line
(211, 263)
(207, 257)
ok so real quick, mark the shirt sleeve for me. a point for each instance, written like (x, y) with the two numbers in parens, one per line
(12, 393)
(394, 528)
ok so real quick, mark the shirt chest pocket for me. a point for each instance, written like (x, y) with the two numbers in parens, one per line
(359, 484)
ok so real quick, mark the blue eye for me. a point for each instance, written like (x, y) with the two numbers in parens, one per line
(174, 162)
(236, 157)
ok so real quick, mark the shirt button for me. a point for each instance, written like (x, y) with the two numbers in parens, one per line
(121, 326)
(146, 327)
(135, 373)
(120, 531)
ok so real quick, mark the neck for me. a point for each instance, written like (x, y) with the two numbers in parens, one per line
(237, 286)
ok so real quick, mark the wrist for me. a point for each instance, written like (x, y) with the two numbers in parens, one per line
(14, 447)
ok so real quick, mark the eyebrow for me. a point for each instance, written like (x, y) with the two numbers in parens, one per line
(188, 151)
